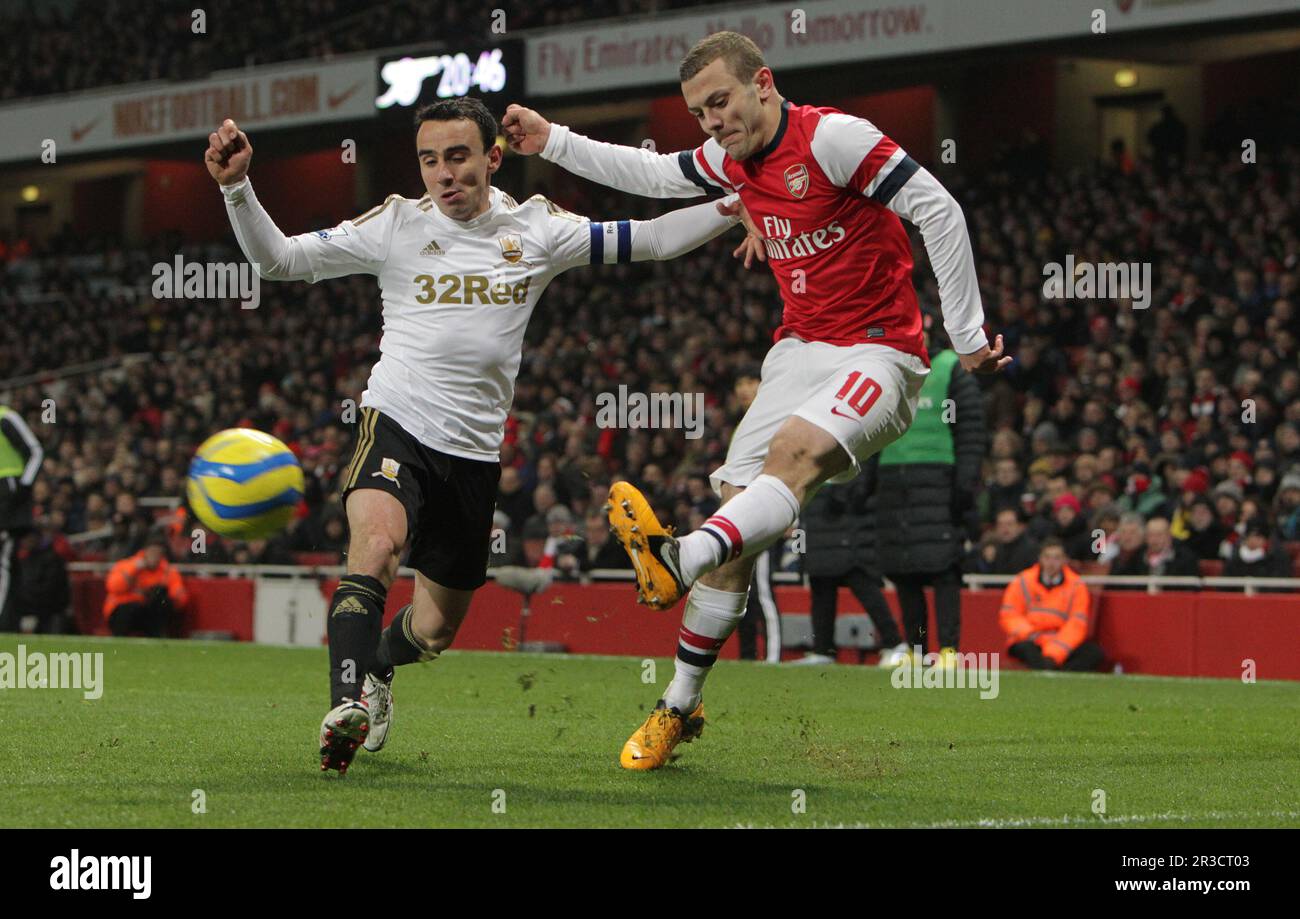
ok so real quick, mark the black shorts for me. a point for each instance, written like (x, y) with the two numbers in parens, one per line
(449, 500)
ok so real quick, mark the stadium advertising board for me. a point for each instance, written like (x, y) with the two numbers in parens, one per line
(157, 113)
(647, 52)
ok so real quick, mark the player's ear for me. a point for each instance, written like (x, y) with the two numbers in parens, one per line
(495, 155)
(765, 83)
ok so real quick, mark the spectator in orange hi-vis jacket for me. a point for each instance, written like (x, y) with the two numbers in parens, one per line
(1045, 613)
(145, 593)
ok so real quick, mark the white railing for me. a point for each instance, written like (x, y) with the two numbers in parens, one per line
(1152, 585)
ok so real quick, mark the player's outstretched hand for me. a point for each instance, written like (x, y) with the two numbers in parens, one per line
(986, 359)
(229, 154)
(752, 247)
(526, 131)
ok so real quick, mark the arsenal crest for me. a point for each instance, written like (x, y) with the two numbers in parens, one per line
(796, 180)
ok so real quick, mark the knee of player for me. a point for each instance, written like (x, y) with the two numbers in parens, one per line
(374, 549)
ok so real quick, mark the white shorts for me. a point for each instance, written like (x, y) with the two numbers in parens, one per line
(862, 395)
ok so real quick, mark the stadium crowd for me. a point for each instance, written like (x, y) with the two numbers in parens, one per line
(1172, 430)
(138, 40)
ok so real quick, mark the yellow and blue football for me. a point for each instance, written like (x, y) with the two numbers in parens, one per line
(244, 484)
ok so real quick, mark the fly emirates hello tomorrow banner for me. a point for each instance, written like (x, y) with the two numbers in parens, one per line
(820, 32)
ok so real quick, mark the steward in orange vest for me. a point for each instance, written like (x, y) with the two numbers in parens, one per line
(1045, 615)
(145, 593)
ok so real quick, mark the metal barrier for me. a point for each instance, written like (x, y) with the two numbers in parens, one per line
(1152, 585)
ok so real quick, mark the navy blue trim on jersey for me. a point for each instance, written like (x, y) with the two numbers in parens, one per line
(686, 161)
(597, 243)
(780, 132)
(886, 190)
(625, 240)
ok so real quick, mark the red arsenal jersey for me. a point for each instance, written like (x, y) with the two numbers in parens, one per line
(819, 194)
(826, 194)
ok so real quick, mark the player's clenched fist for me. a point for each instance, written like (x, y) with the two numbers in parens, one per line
(229, 154)
(986, 359)
(526, 131)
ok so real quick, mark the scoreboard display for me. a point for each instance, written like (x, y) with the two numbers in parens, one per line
(421, 77)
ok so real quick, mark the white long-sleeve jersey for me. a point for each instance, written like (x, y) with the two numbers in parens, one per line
(457, 295)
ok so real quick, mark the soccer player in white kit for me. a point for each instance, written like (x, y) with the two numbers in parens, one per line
(460, 270)
(823, 192)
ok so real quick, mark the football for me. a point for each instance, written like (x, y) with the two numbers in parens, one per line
(244, 484)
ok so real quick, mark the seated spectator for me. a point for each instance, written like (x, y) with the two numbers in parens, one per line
(599, 550)
(1046, 614)
(326, 531)
(1227, 497)
(514, 499)
(1005, 491)
(1195, 485)
(1204, 532)
(504, 548)
(262, 552)
(533, 542)
(130, 526)
(1257, 556)
(1124, 547)
(1071, 529)
(1160, 556)
(146, 595)
(1106, 520)
(1143, 494)
(563, 547)
(1287, 506)
(1012, 548)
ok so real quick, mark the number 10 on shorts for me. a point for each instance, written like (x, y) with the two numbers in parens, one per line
(863, 397)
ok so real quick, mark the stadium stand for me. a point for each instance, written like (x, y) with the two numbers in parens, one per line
(1130, 415)
(138, 41)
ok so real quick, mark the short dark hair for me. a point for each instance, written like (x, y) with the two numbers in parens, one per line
(1050, 542)
(1020, 515)
(743, 57)
(455, 109)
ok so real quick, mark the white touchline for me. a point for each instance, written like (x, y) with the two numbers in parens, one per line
(1010, 822)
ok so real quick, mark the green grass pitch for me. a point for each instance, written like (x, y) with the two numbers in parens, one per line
(538, 736)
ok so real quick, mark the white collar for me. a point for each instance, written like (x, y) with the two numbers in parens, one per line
(494, 207)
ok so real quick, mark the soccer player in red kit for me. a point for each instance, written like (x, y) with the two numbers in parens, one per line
(823, 192)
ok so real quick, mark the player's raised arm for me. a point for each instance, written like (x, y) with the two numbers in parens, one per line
(578, 241)
(922, 200)
(855, 154)
(349, 248)
(632, 169)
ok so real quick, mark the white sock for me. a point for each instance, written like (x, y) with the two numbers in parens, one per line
(744, 526)
(711, 616)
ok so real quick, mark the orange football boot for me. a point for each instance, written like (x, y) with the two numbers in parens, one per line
(652, 548)
(652, 744)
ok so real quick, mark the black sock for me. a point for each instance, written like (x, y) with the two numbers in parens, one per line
(356, 617)
(398, 646)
